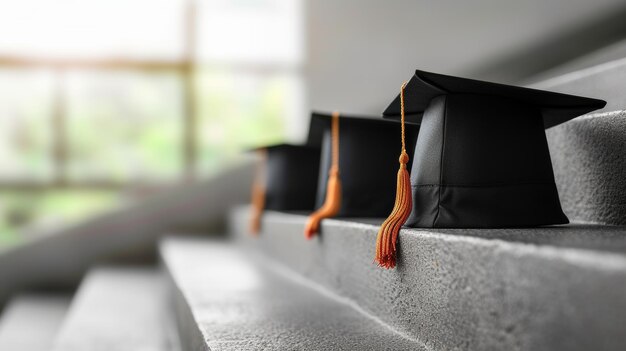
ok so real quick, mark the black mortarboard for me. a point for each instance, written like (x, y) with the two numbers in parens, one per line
(481, 158)
(368, 149)
(291, 177)
(286, 178)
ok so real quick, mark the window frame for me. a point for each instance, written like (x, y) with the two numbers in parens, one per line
(185, 68)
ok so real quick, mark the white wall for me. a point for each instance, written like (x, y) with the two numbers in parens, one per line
(358, 52)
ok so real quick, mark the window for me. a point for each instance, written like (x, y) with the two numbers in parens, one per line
(25, 125)
(241, 109)
(123, 126)
(92, 29)
(250, 32)
(99, 95)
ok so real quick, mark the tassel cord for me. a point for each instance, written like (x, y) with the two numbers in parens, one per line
(258, 194)
(332, 202)
(388, 234)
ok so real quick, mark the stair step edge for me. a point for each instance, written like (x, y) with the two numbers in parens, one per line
(458, 287)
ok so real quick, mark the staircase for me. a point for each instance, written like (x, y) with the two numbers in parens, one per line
(230, 299)
(30, 322)
(520, 289)
(117, 308)
(589, 153)
(551, 288)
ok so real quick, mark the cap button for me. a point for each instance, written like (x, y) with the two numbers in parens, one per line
(404, 158)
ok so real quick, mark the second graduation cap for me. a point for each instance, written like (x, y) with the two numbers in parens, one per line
(482, 158)
(358, 157)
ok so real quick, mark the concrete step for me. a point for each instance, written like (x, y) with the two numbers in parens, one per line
(31, 321)
(229, 299)
(611, 53)
(589, 162)
(602, 81)
(117, 308)
(552, 288)
(589, 152)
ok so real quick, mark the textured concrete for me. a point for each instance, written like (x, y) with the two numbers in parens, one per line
(589, 153)
(120, 308)
(589, 161)
(228, 299)
(561, 288)
(30, 322)
(63, 257)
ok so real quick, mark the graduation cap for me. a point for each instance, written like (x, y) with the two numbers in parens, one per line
(286, 177)
(356, 166)
(481, 158)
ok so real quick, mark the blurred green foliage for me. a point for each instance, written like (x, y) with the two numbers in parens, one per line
(128, 127)
(124, 125)
(238, 111)
(24, 211)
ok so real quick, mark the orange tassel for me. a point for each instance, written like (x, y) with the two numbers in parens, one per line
(258, 194)
(388, 233)
(331, 206)
(332, 203)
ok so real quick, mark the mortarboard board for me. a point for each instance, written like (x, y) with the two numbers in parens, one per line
(481, 158)
(286, 176)
(555, 108)
(355, 173)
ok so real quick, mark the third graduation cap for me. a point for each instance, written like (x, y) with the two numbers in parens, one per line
(286, 177)
(482, 158)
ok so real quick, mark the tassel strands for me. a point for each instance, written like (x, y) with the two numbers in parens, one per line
(332, 203)
(388, 233)
(258, 193)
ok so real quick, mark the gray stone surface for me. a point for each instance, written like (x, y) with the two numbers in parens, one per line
(63, 257)
(589, 161)
(237, 301)
(604, 81)
(561, 288)
(30, 322)
(611, 52)
(117, 308)
(589, 153)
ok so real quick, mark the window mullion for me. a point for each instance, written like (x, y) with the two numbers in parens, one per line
(59, 130)
(189, 90)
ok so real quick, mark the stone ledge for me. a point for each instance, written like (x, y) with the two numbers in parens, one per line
(603, 81)
(227, 299)
(589, 162)
(540, 289)
(30, 321)
(589, 153)
(117, 308)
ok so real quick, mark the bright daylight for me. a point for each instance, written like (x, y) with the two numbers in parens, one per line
(193, 175)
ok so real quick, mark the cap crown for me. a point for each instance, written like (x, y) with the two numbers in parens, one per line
(291, 177)
(368, 163)
(482, 161)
